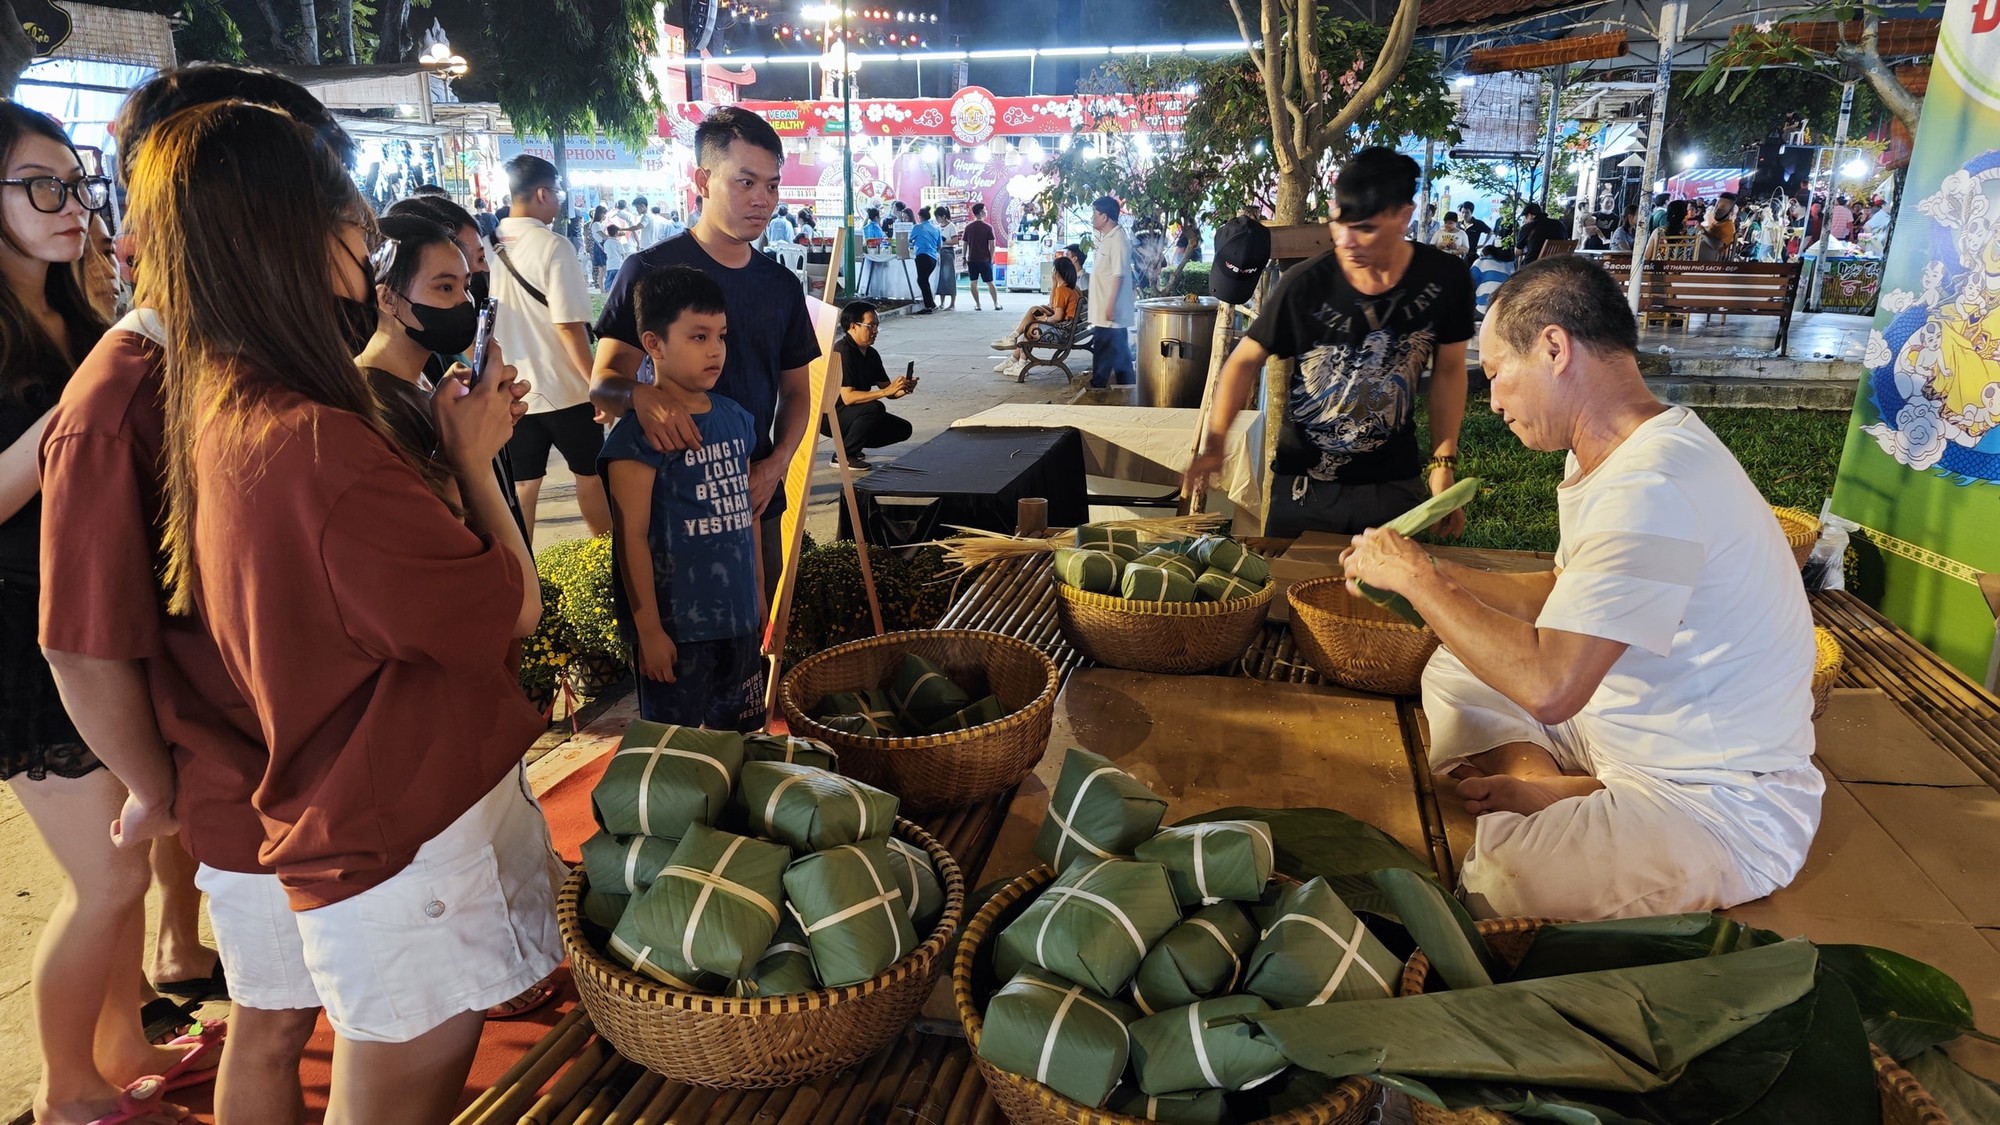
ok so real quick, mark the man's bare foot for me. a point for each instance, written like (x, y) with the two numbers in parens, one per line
(1501, 793)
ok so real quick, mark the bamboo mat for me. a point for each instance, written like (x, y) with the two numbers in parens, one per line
(916, 1078)
(1950, 707)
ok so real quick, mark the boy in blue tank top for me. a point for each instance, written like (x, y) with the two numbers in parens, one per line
(684, 530)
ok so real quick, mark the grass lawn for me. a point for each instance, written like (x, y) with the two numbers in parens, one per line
(1791, 456)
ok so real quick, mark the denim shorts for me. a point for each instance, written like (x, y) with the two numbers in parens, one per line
(717, 684)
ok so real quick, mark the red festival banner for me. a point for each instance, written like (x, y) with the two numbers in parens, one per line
(972, 116)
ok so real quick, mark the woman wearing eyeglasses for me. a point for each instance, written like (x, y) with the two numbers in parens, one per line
(87, 975)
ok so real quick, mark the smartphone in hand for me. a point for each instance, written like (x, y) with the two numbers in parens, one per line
(910, 373)
(480, 339)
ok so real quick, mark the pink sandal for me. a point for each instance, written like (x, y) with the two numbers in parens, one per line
(140, 1101)
(203, 1040)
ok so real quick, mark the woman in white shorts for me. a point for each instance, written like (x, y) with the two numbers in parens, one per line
(367, 622)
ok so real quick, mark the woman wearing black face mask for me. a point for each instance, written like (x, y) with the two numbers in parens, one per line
(465, 232)
(421, 310)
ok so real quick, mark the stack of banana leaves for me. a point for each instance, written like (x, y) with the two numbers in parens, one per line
(1671, 1019)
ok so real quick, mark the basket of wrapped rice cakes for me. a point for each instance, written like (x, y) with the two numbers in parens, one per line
(940, 717)
(747, 916)
(1108, 985)
(1177, 606)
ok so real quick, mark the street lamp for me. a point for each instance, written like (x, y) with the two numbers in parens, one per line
(1690, 158)
(1854, 169)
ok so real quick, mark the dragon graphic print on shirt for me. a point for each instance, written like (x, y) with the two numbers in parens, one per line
(1352, 399)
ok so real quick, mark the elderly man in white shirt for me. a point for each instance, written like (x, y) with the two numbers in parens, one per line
(1634, 730)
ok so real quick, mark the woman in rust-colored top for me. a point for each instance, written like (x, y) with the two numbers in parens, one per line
(366, 623)
(1042, 322)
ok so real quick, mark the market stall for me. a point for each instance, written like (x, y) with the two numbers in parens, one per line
(1265, 731)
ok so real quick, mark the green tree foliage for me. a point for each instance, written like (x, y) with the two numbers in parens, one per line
(1722, 126)
(1770, 43)
(1223, 162)
(574, 66)
(207, 31)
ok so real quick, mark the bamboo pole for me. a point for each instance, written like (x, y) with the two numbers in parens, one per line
(533, 1068)
(610, 1094)
(595, 1088)
(970, 1092)
(808, 1100)
(597, 1056)
(640, 1095)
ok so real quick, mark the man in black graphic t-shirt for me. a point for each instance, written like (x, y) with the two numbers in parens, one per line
(1365, 321)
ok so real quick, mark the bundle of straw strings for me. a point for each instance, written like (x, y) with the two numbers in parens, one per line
(973, 547)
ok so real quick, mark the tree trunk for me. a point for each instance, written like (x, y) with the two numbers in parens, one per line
(347, 52)
(309, 32)
(1293, 188)
(558, 140)
(16, 52)
(393, 19)
(1865, 56)
(275, 29)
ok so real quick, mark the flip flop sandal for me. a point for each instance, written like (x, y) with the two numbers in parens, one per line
(141, 1101)
(163, 1019)
(521, 1005)
(214, 986)
(195, 1067)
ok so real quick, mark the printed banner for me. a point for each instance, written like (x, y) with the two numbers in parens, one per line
(972, 116)
(1921, 470)
(584, 153)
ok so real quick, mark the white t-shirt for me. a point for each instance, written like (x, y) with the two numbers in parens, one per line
(526, 330)
(652, 230)
(616, 250)
(1668, 547)
(1112, 257)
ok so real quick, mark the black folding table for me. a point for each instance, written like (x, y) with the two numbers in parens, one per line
(971, 478)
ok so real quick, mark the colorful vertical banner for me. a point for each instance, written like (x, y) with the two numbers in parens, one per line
(1921, 469)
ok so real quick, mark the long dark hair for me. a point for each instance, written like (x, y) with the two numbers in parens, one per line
(29, 357)
(244, 316)
(1066, 270)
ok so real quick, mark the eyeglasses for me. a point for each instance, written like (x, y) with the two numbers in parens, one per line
(48, 194)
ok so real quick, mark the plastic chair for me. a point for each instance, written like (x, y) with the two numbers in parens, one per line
(792, 256)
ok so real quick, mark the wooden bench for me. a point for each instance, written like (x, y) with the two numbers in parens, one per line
(1681, 288)
(1049, 345)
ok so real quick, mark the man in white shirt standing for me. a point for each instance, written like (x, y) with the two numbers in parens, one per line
(780, 229)
(652, 228)
(543, 325)
(1633, 730)
(1111, 306)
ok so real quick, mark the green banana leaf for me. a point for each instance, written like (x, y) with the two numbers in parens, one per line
(1097, 810)
(785, 968)
(1962, 1095)
(1629, 1030)
(852, 910)
(1331, 845)
(1806, 1062)
(919, 882)
(1198, 959)
(1094, 924)
(1207, 1044)
(1443, 929)
(1414, 522)
(923, 694)
(1625, 943)
(1907, 1006)
(1213, 861)
(1184, 1107)
(663, 778)
(1070, 1039)
(789, 748)
(809, 809)
(1315, 951)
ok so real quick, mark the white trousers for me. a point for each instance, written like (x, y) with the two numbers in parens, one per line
(1626, 850)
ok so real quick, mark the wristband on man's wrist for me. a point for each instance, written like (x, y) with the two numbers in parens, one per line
(1447, 460)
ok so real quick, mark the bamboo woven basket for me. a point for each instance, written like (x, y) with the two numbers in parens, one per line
(1904, 1099)
(1801, 530)
(724, 1041)
(1356, 643)
(1826, 669)
(934, 771)
(1171, 637)
(1027, 1102)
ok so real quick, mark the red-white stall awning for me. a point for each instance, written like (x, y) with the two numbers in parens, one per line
(1704, 183)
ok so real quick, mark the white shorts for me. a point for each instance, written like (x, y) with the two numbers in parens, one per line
(469, 924)
(257, 937)
(1626, 850)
